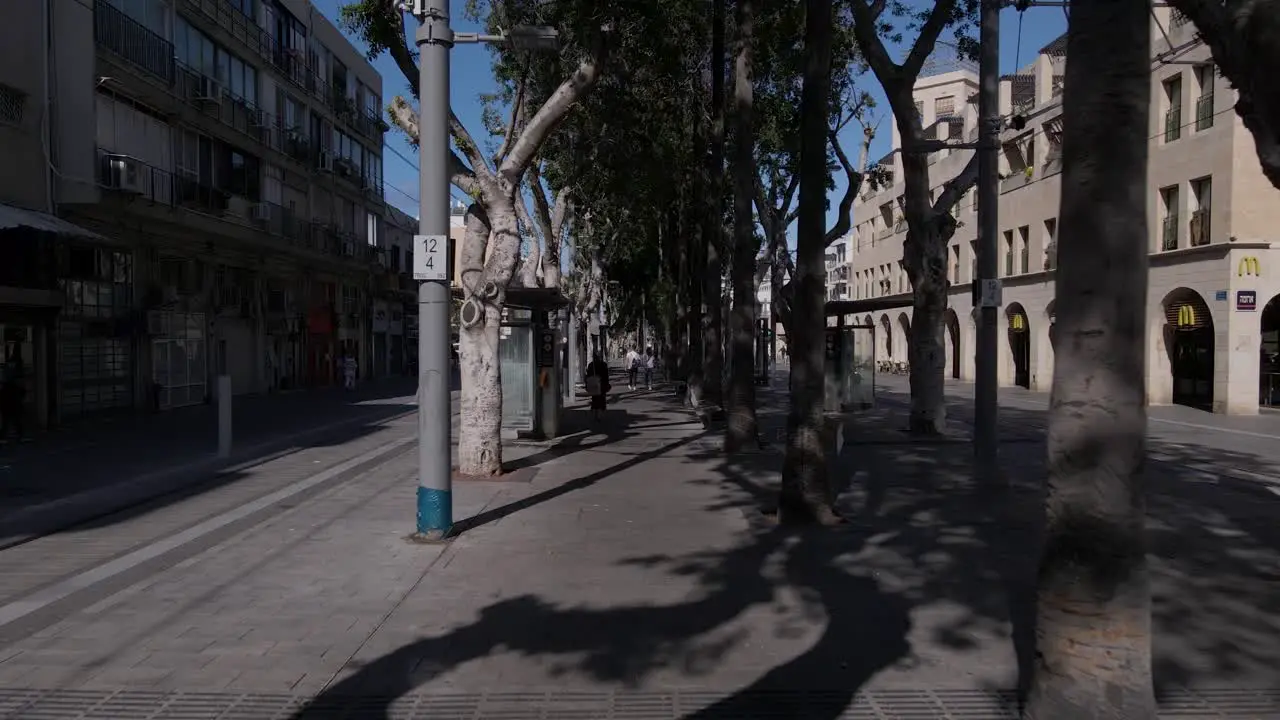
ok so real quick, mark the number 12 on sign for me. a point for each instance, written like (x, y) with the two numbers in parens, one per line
(430, 257)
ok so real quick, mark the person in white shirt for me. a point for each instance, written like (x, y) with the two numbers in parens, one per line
(633, 367)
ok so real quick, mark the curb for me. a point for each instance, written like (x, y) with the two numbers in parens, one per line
(31, 523)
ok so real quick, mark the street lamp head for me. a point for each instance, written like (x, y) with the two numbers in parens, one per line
(536, 38)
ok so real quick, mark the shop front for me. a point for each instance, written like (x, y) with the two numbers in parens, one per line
(321, 348)
(178, 352)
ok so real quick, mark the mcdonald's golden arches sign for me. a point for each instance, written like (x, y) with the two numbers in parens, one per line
(1186, 316)
(1017, 322)
(1249, 266)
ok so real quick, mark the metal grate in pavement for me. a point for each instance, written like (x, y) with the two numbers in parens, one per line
(1255, 704)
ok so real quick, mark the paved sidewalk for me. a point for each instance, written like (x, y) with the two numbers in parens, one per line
(635, 576)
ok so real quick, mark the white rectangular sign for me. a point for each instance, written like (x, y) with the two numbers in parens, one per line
(431, 257)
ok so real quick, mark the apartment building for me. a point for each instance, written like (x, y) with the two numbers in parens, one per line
(203, 196)
(1213, 328)
(837, 267)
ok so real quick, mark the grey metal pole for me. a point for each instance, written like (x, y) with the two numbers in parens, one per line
(985, 412)
(571, 389)
(435, 447)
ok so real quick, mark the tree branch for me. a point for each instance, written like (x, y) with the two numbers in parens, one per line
(844, 216)
(467, 144)
(406, 118)
(540, 201)
(938, 20)
(956, 187)
(866, 34)
(517, 117)
(535, 132)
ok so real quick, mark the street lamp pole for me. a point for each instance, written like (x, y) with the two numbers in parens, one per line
(431, 265)
(431, 255)
(987, 295)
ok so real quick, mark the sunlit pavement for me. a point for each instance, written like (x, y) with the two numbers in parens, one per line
(627, 571)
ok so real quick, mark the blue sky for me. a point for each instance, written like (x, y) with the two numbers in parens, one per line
(471, 77)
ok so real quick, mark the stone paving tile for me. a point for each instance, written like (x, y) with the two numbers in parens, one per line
(27, 567)
(637, 565)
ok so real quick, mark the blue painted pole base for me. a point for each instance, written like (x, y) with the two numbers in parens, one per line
(435, 513)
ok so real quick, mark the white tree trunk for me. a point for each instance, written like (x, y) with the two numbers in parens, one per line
(484, 282)
(480, 431)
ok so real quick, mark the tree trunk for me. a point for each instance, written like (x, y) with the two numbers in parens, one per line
(1093, 634)
(926, 260)
(806, 495)
(696, 267)
(480, 424)
(742, 429)
(713, 221)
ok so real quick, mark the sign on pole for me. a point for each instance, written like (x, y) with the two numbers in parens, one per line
(431, 257)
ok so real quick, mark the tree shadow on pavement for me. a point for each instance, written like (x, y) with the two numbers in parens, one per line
(930, 585)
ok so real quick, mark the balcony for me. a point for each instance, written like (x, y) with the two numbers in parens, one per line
(1200, 224)
(282, 222)
(1169, 233)
(1204, 112)
(235, 24)
(1173, 124)
(132, 41)
(295, 144)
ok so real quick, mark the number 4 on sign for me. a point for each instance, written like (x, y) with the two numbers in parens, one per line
(430, 261)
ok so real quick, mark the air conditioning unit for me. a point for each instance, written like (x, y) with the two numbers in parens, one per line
(124, 174)
(326, 160)
(260, 212)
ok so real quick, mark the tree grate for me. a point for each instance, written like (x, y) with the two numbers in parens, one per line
(1216, 704)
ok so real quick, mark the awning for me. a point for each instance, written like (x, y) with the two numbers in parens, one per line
(16, 217)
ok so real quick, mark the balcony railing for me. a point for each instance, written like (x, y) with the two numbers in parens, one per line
(1173, 124)
(237, 113)
(1169, 233)
(1200, 227)
(239, 26)
(132, 41)
(130, 176)
(1204, 112)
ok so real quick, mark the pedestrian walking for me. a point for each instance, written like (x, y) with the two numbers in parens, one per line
(597, 384)
(650, 362)
(632, 363)
(349, 370)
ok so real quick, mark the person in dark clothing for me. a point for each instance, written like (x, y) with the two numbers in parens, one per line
(597, 382)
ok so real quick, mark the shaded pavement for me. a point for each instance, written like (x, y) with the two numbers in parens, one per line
(635, 575)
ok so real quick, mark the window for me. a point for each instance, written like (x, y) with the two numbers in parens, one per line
(1201, 196)
(272, 184)
(1204, 103)
(1050, 243)
(152, 14)
(920, 111)
(293, 114)
(1173, 101)
(1024, 243)
(973, 261)
(127, 129)
(1008, 252)
(238, 173)
(944, 106)
(242, 78)
(955, 265)
(1169, 223)
(201, 55)
(244, 6)
(350, 299)
(372, 222)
